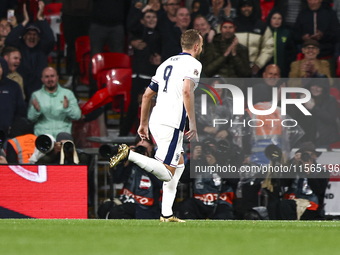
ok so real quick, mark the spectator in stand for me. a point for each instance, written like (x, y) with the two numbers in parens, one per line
(52, 108)
(76, 22)
(12, 103)
(320, 127)
(145, 41)
(107, 27)
(167, 23)
(199, 7)
(13, 57)
(255, 35)
(225, 56)
(5, 28)
(256, 7)
(284, 47)
(35, 42)
(171, 39)
(310, 65)
(319, 22)
(169, 16)
(263, 92)
(290, 10)
(219, 12)
(201, 24)
(139, 198)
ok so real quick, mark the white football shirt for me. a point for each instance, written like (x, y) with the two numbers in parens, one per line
(168, 82)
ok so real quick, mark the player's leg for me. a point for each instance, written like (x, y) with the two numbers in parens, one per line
(150, 165)
(169, 142)
(170, 189)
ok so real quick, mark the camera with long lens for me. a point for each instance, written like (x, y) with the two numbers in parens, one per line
(140, 149)
(108, 150)
(2, 138)
(305, 157)
(45, 143)
(273, 153)
(68, 146)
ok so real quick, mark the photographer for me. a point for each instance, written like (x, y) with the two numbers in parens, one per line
(139, 198)
(304, 195)
(63, 153)
(213, 196)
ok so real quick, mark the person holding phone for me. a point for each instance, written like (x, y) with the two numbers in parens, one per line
(35, 41)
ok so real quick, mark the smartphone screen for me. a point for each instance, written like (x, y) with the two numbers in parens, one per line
(10, 13)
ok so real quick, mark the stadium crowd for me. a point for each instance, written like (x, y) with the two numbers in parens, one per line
(242, 39)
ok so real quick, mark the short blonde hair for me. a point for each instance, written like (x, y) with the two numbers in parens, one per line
(189, 38)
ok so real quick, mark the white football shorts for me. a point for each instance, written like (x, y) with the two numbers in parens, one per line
(169, 142)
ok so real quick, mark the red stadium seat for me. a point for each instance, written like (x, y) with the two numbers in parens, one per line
(114, 71)
(300, 56)
(51, 10)
(83, 49)
(266, 6)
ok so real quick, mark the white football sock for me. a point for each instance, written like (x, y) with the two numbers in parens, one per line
(169, 191)
(151, 165)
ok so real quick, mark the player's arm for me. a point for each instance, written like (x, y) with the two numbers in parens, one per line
(189, 105)
(143, 129)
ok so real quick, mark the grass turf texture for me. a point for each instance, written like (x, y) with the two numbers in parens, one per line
(32, 236)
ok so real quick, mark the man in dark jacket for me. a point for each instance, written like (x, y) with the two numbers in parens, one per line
(320, 127)
(35, 42)
(318, 22)
(145, 41)
(225, 56)
(171, 36)
(12, 103)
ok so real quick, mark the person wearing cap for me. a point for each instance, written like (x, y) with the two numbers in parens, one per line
(52, 108)
(225, 56)
(320, 127)
(319, 22)
(255, 35)
(35, 41)
(63, 154)
(310, 65)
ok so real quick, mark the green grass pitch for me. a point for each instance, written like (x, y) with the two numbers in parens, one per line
(33, 236)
